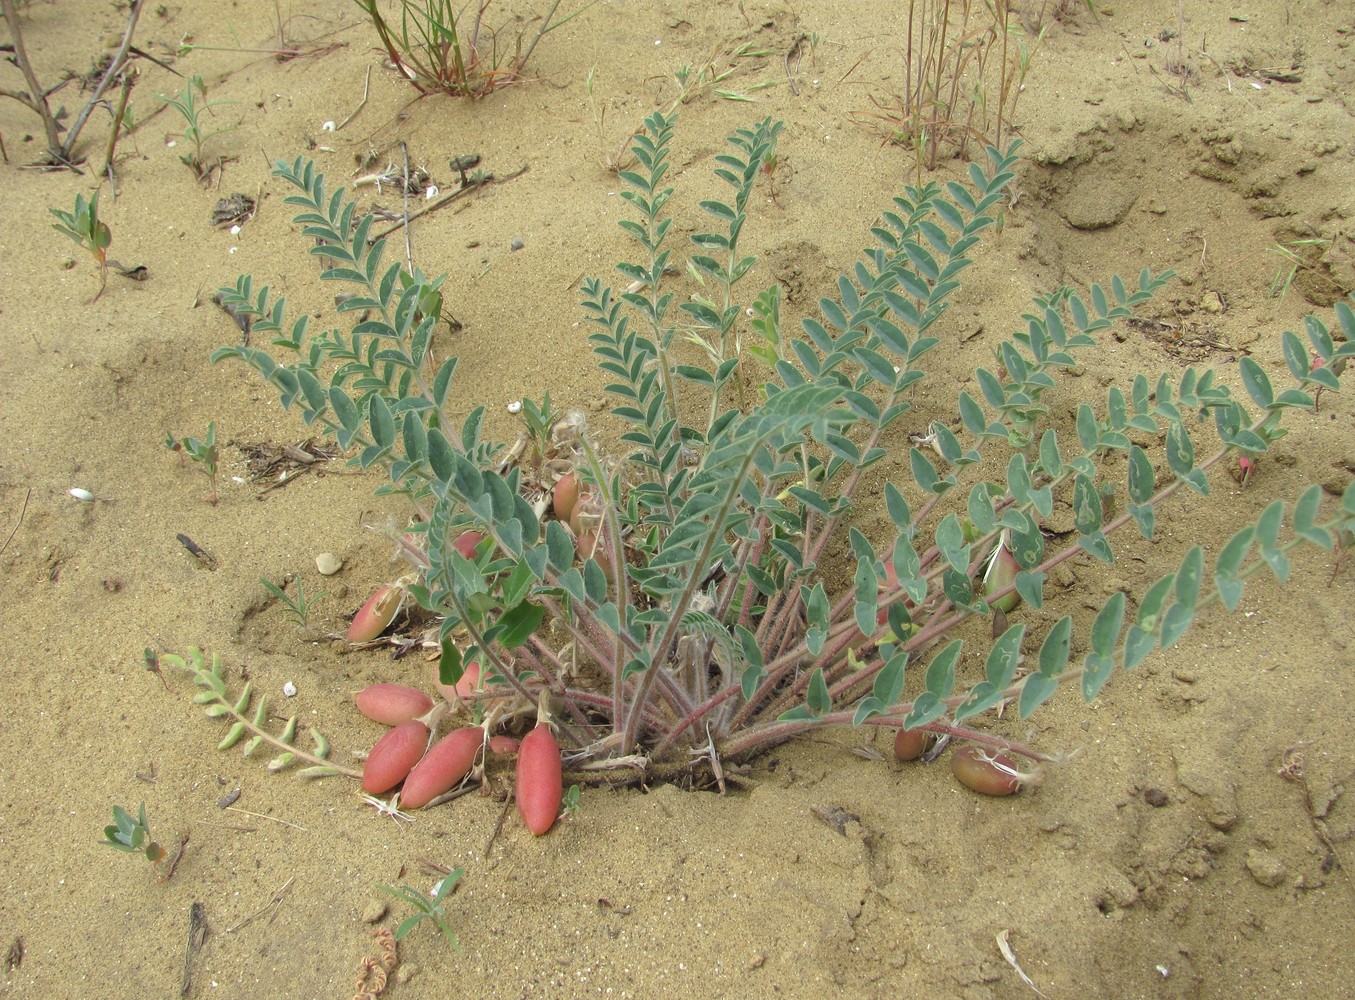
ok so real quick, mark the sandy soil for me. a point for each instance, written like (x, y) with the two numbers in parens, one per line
(1168, 859)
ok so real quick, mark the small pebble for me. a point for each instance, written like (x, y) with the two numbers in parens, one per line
(516, 245)
(1155, 797)
(1265, 867)
(289, 689)
(80, 494)
(328, 563)
(373, 911)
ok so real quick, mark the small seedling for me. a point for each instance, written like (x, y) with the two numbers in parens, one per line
(428, 905)
(298, 607)
(191, 104)
(132, 836)
(204, 452)
(83, 226)
(570, 806)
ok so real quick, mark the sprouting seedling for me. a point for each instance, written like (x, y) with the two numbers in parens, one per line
(132, 836)
(427, 904)
(83, 226)
(191, 104)
(204, 452)
(570, 806)
(299, 607)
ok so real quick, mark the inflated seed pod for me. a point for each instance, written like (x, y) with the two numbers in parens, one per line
(393, 756)
(392, 704)
(991, 772)
(910, 744)
(443, 767)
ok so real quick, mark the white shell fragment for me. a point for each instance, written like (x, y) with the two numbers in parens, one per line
(514, 407)
(80, 494)
(289, 689)
(327, 127)
(327, 563)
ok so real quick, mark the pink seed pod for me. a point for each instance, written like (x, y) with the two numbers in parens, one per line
(392, 704)
(503, 744)
(466, 543)
(600, 552)
(540, 779)
(376, 615)
(910, 744)
(1246, 468)
(990, 772)
(443, 767)
(565, 495)
(393, 756)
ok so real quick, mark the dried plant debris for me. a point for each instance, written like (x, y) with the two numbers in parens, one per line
(275, 465)
(233, 211)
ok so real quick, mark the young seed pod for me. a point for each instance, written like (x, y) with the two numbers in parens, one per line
(990, 772)
(599, 552)
(1000, 574)
(466, 543)
(503, 744)
(540, 779)
(392, 704)
(376, 615)
(565, 496)
(442, 767)
(393, 757)
(587, 510)
(910, 744)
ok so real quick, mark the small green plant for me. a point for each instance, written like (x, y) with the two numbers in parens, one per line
(217, 702)
(192, 105)
(202, 452)
(774, 553)
(84, 226)
(1301, 256)
(132, 836)
(570, 806)
(428, 905)
(299, 607)
(442, 48)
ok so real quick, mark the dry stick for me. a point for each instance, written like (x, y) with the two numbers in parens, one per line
(22, 511)
(128, 82)
(366, 89)
(404, 156)
(271, 904)
(37, 102)
(266, 816)
(114, 68)
(197, 933)
(443, 202)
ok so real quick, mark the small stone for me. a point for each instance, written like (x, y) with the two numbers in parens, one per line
(1155, 797)
(373, 911)
(1265, 867)
(327, 563)
(516, 245)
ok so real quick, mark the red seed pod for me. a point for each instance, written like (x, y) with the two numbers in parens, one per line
(442, 767)
(392, 704)
(393, 756)
(466, 543)
(910, 744)
(503, 744)
(600, 552)
(565, 495)
(540, 780)
(376, 615)
(990, 772)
